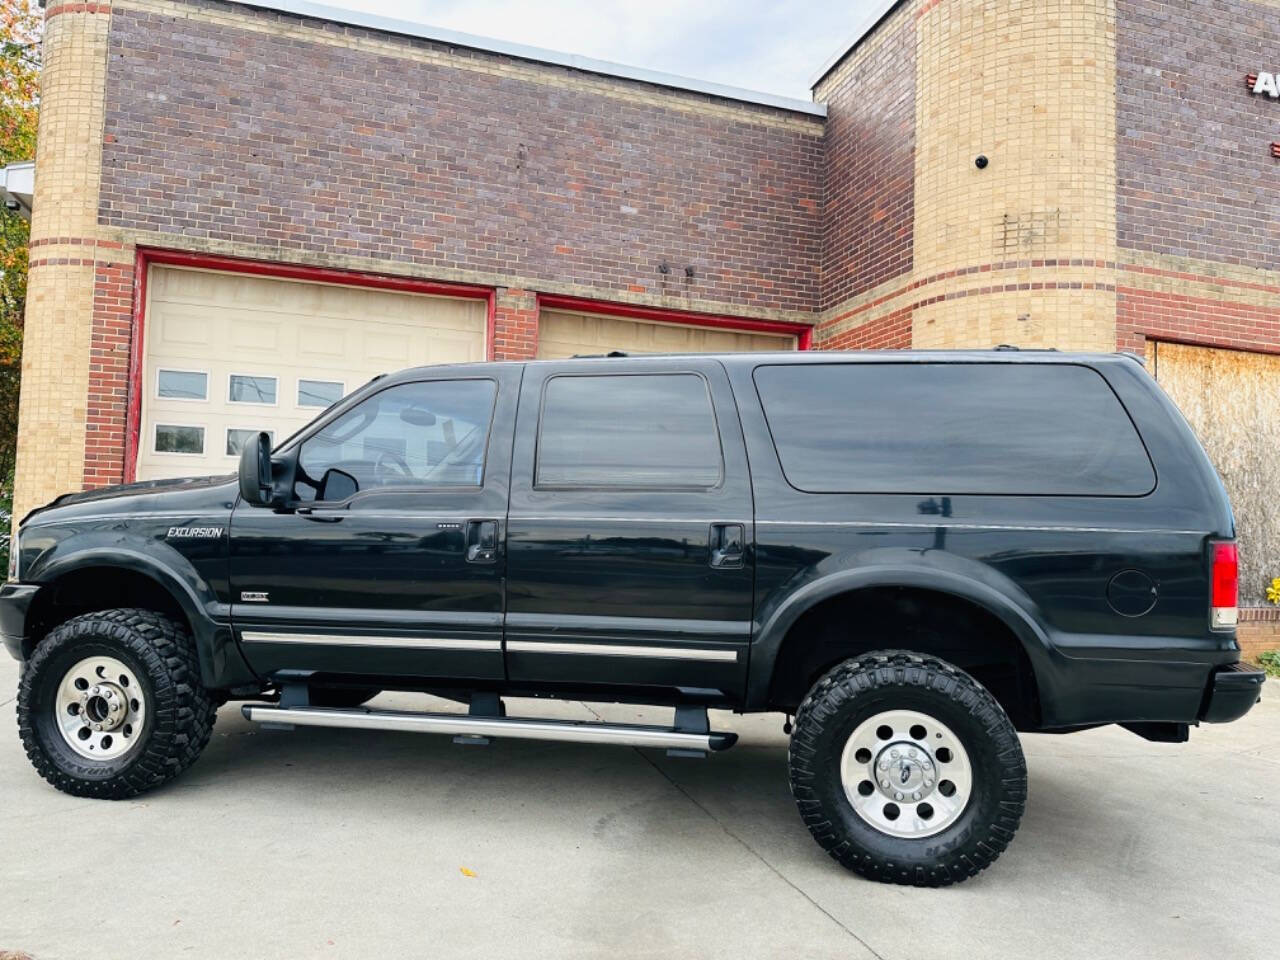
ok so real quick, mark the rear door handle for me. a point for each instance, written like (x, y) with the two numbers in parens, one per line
(728, 545)
(482, 541)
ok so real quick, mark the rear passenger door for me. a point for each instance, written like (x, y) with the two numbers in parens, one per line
(630, 529)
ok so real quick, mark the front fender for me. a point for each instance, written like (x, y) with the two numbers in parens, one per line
(937, 572)
(220, 661)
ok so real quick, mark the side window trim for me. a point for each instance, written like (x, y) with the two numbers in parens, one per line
(855, 364)
(327, 418)
(544, 389)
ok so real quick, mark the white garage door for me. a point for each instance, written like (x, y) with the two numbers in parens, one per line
(564, 334)
(228, 354)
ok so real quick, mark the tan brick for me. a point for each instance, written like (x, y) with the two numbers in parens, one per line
(55, 362)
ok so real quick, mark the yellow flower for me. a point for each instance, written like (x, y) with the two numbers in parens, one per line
(1273, 591)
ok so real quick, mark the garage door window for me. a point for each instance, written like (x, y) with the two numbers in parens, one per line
(319, 393)
(252, 389)
(173, 438)
(237, 438)
(655, 431)
(182, 385)
(429, 434)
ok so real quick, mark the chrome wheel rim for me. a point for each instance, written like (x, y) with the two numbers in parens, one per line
(906, 774)
(100, 708)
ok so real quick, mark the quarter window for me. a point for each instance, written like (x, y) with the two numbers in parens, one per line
(428, 434)
(182, 384)
(646, 430)
(252, 389)
(319, 393)
(172, 438)
(952, 428)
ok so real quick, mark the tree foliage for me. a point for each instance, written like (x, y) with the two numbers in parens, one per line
(20, 26)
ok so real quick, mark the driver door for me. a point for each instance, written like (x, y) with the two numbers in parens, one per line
(388, 559)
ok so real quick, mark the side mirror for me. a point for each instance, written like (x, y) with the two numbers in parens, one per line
(255, 472)
(337, 485)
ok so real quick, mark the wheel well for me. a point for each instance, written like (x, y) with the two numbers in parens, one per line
(96, 588)
(904, 618)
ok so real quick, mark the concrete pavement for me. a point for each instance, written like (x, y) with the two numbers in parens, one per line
(326, 843)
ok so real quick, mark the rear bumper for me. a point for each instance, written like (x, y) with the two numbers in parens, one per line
(15, 599)
(1231, 692)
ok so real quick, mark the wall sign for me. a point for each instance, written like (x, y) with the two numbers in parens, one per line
(1264, 83)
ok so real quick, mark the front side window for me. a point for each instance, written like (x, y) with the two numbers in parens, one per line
(429, 434)
(646, 430)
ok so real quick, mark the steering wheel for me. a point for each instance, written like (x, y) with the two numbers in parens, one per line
(391, 466)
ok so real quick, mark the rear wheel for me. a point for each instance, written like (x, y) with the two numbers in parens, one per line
(906, 770)
(111, 704)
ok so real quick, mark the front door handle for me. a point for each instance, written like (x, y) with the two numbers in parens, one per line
(728, 545)
(482, 541)
(320, 516)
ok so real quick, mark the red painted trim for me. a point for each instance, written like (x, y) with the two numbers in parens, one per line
(491, 326)
(552, 301)
(133, 416)
(263, 268)
(294, 271)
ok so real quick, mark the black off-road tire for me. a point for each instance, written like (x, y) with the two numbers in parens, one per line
(180, 711)
(896, 680)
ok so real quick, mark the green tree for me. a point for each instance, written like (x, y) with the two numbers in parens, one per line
(20, 25)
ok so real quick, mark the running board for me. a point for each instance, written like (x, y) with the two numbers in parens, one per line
(514, 728)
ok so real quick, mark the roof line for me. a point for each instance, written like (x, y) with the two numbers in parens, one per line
(373, 21)
(877, 15)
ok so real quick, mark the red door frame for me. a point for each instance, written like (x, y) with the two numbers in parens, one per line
(146, 256)
(688, 318)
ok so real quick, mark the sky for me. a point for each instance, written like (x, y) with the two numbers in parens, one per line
(771, 47)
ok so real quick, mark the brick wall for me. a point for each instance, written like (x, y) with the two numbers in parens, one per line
(1195, 174)
(64, 255)
(869, 170)
(1198, 235)
(305, 140)
(111, 338)
(1259, 630)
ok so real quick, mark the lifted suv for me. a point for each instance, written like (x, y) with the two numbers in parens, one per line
(916, 554)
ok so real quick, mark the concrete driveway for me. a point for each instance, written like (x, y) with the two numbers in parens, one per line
(341, 844)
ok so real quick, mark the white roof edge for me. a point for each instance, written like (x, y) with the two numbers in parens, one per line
(373, 21)
(869, 23)
(17, 187)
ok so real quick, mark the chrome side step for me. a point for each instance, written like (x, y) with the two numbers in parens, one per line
(515, 728)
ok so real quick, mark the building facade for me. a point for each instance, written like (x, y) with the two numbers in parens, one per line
(243, 210)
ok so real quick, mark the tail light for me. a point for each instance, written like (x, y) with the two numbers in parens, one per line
(1225, 586)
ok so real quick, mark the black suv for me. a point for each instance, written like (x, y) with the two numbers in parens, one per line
(916, 555)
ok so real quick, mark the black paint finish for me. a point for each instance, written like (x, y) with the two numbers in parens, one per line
(621, 592)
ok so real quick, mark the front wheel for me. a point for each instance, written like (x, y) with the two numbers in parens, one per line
(111, 704)
(906, 770)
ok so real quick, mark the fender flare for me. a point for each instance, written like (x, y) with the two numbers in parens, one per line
(215, 646)
(1014, 614)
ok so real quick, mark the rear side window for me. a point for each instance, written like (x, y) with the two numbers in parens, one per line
(646, 430)
(919, 428)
